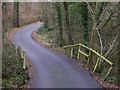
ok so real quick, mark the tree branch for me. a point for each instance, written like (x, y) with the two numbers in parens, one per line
(93, 17)
(90, 9)
(111, 45)
(100, 39)
(107, 20)
(101, 16)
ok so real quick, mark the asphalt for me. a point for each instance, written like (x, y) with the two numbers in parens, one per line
(51, 70)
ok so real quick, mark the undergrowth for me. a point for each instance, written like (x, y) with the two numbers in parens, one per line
(13, 74)
(43, 30)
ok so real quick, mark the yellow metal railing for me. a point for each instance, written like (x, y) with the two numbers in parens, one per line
(88, 55)
(22, 55)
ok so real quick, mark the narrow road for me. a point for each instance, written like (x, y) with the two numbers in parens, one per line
(49, 69)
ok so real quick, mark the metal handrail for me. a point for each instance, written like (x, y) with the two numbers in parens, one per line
(79, 45)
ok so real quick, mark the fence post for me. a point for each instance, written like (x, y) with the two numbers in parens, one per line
(78, 55)
(71, 52)
(22, 52)
(16, 50)
(18, 54)
(24, 59)
(96, 64)
(108, 72)
(64, 50)
(22, 55)
(88, 57)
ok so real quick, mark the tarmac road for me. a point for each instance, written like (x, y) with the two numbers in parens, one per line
(51, 70)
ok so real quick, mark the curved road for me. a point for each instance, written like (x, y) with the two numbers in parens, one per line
(49, 69)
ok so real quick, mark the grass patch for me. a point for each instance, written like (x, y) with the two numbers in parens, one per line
(13, 74)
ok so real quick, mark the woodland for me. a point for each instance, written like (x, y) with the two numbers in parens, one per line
(94, 24)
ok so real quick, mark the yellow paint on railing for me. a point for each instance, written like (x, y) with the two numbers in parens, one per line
(24, 60)
(96, 64)
(22, 53)
(102, 57)
(88, 55)
(83, 53)
(108, 72)
(71, 52)
(70, 46)
(78, 55)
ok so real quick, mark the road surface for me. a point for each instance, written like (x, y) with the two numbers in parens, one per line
(51, 70)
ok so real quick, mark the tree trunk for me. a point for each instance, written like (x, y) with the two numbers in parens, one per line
(67, 23)
(84, 18)
(16, 14)
(45, 18)
(5, 18)
(59, 23)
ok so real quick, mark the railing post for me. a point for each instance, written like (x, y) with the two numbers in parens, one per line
(18, 54)
(24, 60)
(78, 55)
(96, 64)
(16, 50)
(71, 52)
(21, 52)
(108, 72)
(22, 55)
(64, 51)
(89, 57)
(100, 57)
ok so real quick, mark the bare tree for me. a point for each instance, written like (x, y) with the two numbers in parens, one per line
(99, 22)
(101, 17)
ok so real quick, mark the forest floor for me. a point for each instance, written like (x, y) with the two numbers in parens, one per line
(48, 43)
